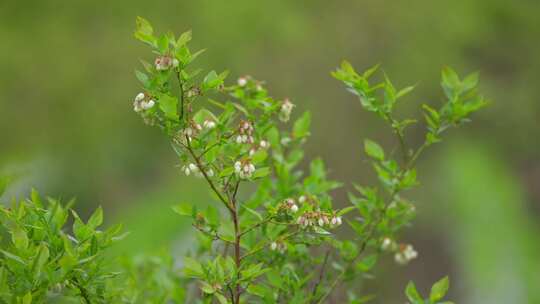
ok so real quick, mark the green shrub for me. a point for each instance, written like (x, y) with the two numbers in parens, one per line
(272, 234)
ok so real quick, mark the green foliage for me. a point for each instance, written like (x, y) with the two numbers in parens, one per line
(272, 234)
(436, 295)
(40, 261)
(276, 244)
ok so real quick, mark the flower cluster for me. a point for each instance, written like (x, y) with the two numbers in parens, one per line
(278, 246)
(244, 168)
(312, 218)
(193, 168)
(245, 133)
(290, 204)
(286, 110)
(163, 63)
(405, 254)
(141, 103)
(209, 124)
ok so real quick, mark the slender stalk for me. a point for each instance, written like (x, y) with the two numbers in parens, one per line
(83, 292)
(321, 273)
(180, 84)
(206, 177)
(237, 253)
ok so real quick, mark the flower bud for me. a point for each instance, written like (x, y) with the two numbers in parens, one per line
(273, 246)
(242, 81)
(209, 124)
(187, 172)
(139, 97)
(147, 105)
(387, 244)
(294, 208)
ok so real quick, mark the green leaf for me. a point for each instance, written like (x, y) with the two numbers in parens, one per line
(261, 172)
(373, 149)
(404, 91)
(301, 126)
(207, 288)
(96, 219)
(367, 263)
(13, 257)
(40, 259)
(257, 290)
(19, 238)
(184, 209)
(412, 294)
(346, 210)
(144, 26)
(168, 105)
(211, 81)
(221, 298)
(192, 268)
(27, 299)
(439, 289)
(144, 32)
(259, 157)
(257, 214)
(226, 172)
(184, 38)
(143, 78)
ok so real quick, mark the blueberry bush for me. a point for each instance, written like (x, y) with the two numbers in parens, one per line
(273, 233)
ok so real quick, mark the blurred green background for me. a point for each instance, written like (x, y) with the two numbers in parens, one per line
(68, 129)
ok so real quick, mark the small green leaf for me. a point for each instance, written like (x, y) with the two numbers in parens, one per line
(40, 259)
(192, 268)
(27, 299)
(301, 126)
(412, 294)
(346, 210)
(221, 298)
(207, 288)
(13, 257)
(19, 238)
(373, 149)
(184, 209)
(144, 26)
(404, 91)
(261, 172)
(96, 219)
(257, 214)
(143, 78)
(367, 263)
(439, 289)
(184, 38)
(168, 105)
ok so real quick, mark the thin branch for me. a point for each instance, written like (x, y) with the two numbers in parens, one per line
(321, 273)
(255, 226)
(214, 235)
(207, 178)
